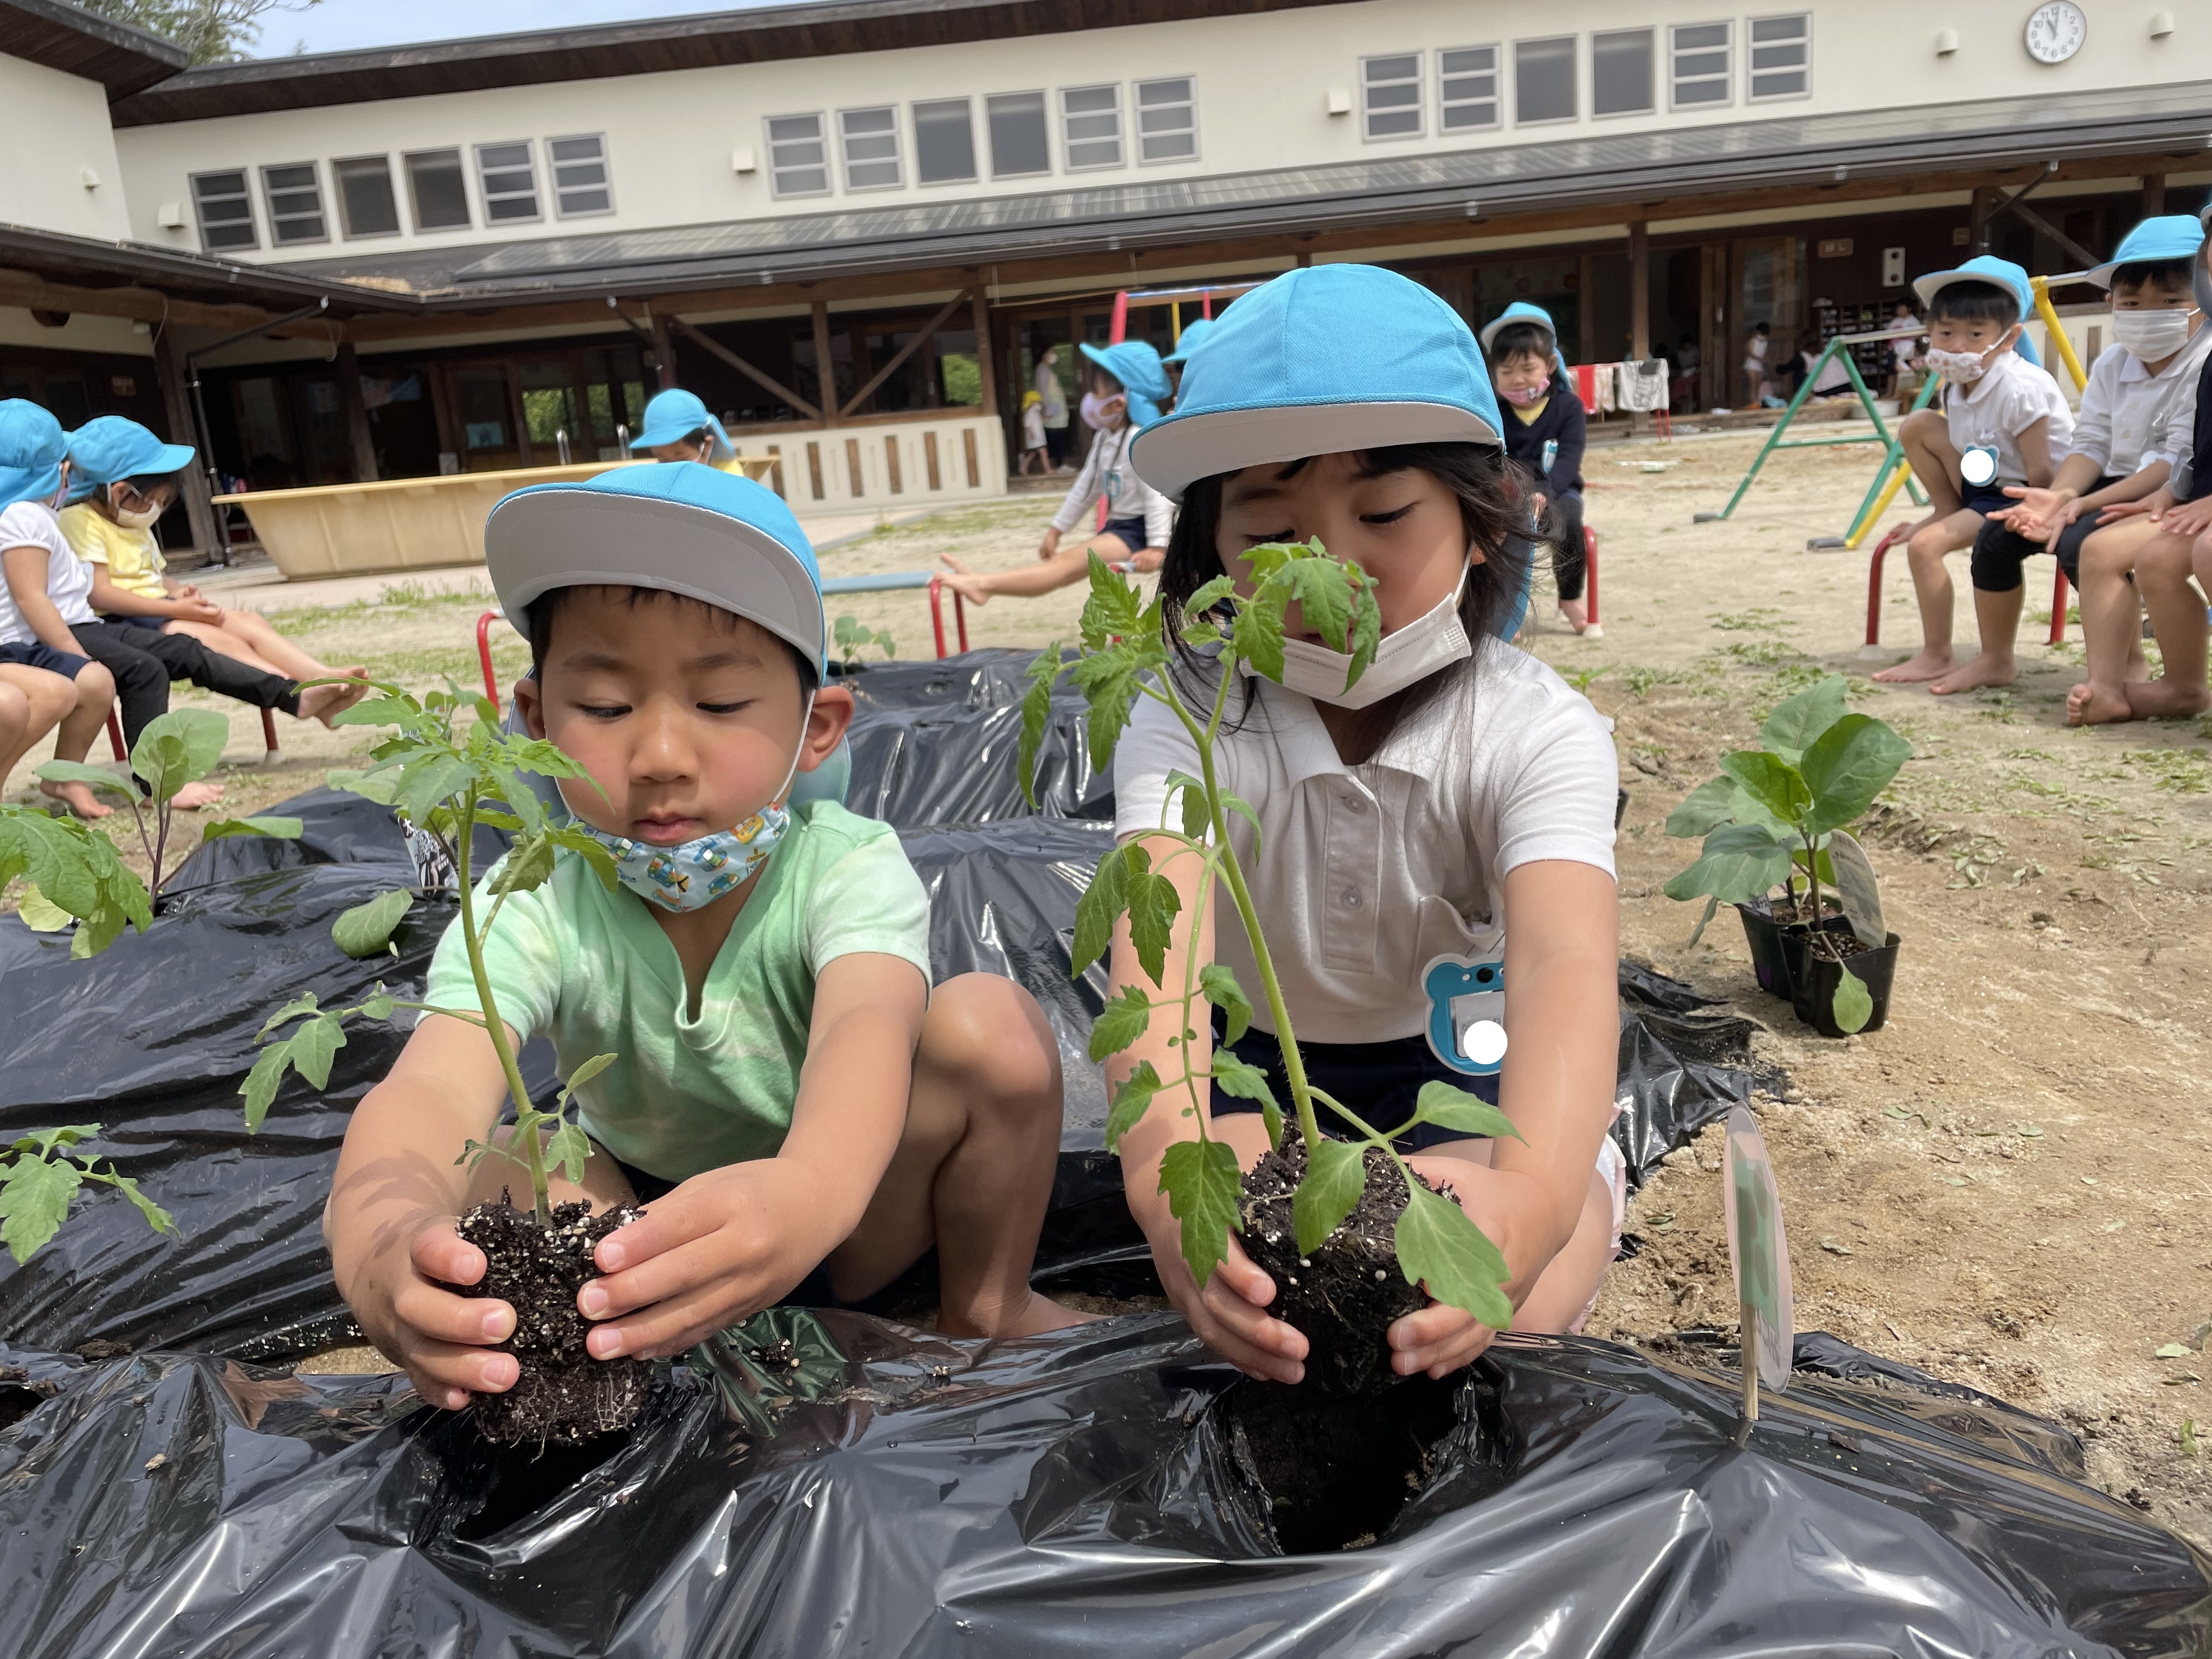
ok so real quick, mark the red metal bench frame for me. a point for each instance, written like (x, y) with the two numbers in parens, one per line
(2059, 589)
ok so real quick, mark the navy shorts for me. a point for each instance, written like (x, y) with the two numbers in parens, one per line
(39, 654)
(1988, 498)
(2000, 551)
(811, 1292)
(1381, 1081)
(1131, 532)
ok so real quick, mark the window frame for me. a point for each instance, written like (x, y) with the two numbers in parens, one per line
(1497, 90)
(1121, 129)
(501, 221)
(1725, 80)
(414, 202)
(1137, 113)
(1574, 73)
(1044, 108)
(769, 142)
(1751, 71)
(554, 164)
(967, 102)
(321, 214)
(252, 221)
(1651, 95)
(845, 163)
(1417, 81)
(338, 196)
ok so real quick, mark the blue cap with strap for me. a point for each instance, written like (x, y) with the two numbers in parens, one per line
(1997, 273)
(1188, 340)
(1136, 366)
(1318, 361)
(2169, 236)
(675, 415)
(1522, 312)
(32, 448)
(111, 447)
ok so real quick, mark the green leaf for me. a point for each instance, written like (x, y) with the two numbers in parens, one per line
(1202, 1180)
(365, 930)
(1740, 862)
(156, 1218)
(1852, 874)
(1097, 911)
(602, 862)
(98, 777)
(1257, 636)
(584, 1073)
(1192, 792)
(1366, 630)
(1108, 683)
(1036, 713)
(425, 783)
(1240, 1078)
(1219, 985)
(44, 1141)
(276, 829)
(1771, 781)
(1209, 594)
(527, 865)
(377, 1004)
(570, 1148)
(1455, 1108)
(1710, 806)
(377, 784)
(315, 1045)
(1322, 589)
(1114, 606)
(1336, 1174)
(1122, 1024)
(305, 1003)
(41, 914)
(177, 748)
(34, 1198)
(379, 711)
(1131, 1102)
(1851, 762)
(1854, 1004)
(1237, 804)
(1795, 724)
(1440, 1249)
(1153, 906)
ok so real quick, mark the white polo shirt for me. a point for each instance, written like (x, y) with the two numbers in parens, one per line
(2131, 417)
(1370, 872)
(69, 578)
(2010, 398)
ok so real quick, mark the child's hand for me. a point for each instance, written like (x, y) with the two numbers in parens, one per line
(1440, 1337)
(718, 1250)
(2041, 512)
(438, 1337)
(1049, 544)
(1231, 1314)
(2190, 518)
(197, 610)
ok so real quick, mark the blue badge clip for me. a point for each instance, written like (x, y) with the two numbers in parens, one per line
(1466, 1013)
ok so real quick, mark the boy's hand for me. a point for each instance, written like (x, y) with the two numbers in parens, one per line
(718, 1250)
(2190, 518)
(1231, 1314)
(192, 608)
(2041, 512)
(1050, 544)
(439, 1338)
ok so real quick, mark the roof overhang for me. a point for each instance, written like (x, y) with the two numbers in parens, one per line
(123, 60)
(90, 265)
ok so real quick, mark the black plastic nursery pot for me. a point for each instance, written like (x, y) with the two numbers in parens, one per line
(1770, 965)
(1813, 979)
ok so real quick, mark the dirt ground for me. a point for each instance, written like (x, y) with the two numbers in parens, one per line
(2003, 1186)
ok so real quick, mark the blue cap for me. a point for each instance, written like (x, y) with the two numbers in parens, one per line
(1186, 342)
(2169, 236)
(111, 447)
(1522, 312)
(674, 415)
(1982, 268)
(33, 447)
(685, 528)
(1330, 358)
(1136, 366)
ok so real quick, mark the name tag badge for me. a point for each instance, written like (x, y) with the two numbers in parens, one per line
(1978, 465)
(1466, 1013)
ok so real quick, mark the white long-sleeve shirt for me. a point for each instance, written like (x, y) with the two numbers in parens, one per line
(1106, 470)
(2130, 417)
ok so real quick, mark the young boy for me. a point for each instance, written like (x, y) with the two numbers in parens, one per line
(679, 428)
(799, 1109)
(1126, 385)
(2003, 422)
(1546, 433)
(2163, 539)
(40, 687)
(123, 478)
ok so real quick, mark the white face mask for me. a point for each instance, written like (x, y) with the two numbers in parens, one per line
(2151, 335)
(1959, 367)
(142, 520)
(1416, 651)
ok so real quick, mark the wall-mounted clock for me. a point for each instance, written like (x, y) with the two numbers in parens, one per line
(2056, 31)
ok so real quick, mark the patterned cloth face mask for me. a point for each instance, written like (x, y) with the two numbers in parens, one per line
(693, 874)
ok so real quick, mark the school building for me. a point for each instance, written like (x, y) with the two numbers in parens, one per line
(854, 227)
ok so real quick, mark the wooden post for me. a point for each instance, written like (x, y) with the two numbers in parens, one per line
(171, 375)
(824, 365)
(664, 349)
(985, 355)
(1586, 304)
(1639, 305)
(1747, 1341)
(2154, 195)
(356, 414)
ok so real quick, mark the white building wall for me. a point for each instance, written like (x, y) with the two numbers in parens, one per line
(58, 160)
(1266, 85)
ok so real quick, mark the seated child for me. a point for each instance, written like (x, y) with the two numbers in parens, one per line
(678, 428)
(2139, 529)
(41, 687)
(2000, 407)
(123, 478)
(802, 1113)
(1546, 433)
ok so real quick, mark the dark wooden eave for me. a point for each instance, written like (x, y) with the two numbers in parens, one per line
(61, 37)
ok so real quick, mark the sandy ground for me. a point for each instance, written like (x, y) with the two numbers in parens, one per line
(2004, 1186)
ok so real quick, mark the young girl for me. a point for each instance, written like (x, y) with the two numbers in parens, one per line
(1127, 383)
(1544, 435)
(1459, 783)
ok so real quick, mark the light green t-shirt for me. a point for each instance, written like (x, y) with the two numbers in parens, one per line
(593, 971)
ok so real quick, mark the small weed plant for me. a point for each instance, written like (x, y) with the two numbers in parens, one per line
(853, 636)
(1125, 653)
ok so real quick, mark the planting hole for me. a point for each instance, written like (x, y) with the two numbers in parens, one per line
(1337, 1468)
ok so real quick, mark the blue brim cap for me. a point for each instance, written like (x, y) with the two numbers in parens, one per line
(1318, 361)
(684, 528)
(673, 415)
(1134, 364)
(109, 447)
(32, 448)
(1983, 267)
(1188, 341)
(2169, 236)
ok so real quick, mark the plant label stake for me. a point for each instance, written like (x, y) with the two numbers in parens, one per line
(1759, 1255)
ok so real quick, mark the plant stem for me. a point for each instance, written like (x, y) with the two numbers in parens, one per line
(495, 1027)
(1813, 880)
(160, 843)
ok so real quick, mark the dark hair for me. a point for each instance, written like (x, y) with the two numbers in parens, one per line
(1493, 507)
(1100, 372)
(2161, 273)
(1975, 302)
(1520, 339)
(547, 607)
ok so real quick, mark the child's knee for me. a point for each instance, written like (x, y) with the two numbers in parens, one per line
(1921, 426)
(1929, 545)
(95, 686)
(988, 1034)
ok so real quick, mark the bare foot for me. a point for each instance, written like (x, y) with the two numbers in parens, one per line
(1927, 666)
(1973, 675)
(78, 797)
(964, 581)
(2161, 699)
(194, 796)
(2089, 704)
(1576, 611)
(1041, 1314)
(320, 702)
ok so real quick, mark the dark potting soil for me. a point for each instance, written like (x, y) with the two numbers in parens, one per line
(20, 1396)
(1343, 1297)
(1838, 946)
(1337, 1471)
(563, 1396)
(1792, 911)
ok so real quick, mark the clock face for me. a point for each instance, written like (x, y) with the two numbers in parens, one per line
(2056, 30)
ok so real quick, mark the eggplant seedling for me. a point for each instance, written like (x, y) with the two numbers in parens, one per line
(1126, 654)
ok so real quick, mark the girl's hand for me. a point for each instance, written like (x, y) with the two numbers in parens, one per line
(1049, 544)
(1440, 1337)
(1230, 1315)
(2190, 518)
(438, 1337)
